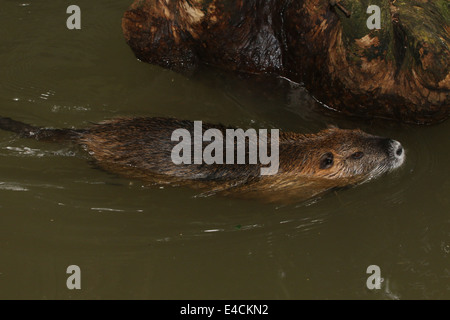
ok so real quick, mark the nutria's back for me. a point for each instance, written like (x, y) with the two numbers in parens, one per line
(142, 148)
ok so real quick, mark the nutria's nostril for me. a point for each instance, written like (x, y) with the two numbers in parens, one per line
(397, 149)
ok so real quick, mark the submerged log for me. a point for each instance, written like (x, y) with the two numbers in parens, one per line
(400, 71)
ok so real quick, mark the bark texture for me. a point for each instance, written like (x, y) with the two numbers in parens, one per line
(400, 71)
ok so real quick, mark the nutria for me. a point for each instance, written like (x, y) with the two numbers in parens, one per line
(309, 164)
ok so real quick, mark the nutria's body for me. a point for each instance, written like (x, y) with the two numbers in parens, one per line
(308, 164)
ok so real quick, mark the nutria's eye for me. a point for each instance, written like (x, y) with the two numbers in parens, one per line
(357, 155)
(326, 161)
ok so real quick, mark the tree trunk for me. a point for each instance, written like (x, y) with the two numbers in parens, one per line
(400, 71)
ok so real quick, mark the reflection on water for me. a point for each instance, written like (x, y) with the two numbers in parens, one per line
(135, 241)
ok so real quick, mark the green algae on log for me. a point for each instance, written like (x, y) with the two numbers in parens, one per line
(400, 71)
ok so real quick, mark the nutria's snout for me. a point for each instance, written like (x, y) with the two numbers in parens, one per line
(393, 158)
(397, 153)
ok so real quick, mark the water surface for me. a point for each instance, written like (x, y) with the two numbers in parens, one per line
(132, 241)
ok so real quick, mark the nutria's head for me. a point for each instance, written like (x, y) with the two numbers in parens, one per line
(349, 154)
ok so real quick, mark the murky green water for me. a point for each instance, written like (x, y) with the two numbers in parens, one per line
(57, 210)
